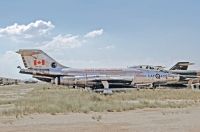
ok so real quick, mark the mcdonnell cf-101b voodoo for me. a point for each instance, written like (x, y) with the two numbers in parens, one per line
(187, 77)
(44, 68)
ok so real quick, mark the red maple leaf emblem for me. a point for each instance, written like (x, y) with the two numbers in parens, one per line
(39, 62)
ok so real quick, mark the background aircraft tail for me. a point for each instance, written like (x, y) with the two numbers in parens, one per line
(181, 66)
(37, 59)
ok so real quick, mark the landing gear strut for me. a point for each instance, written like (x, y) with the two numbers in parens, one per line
(57, 80)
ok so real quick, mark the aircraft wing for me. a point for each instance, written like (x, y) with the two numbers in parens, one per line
(97, 78)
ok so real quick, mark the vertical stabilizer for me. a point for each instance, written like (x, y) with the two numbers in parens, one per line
(181, 66)
(37, 59)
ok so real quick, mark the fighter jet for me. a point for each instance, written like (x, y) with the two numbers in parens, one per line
(191, 77)
(45, 68)
(182, 69)
(8, 81)
(179, 66)
(188, 77)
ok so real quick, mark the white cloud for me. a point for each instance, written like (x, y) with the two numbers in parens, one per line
(31, 30)
(37, 34)
(9, 62)
(62, 42)
(94, 33)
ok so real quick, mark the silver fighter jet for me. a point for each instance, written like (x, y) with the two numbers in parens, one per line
(44, 68)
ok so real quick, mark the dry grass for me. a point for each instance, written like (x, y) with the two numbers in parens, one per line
(53, 100)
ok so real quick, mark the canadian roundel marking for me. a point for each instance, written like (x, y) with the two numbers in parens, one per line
(53, 65)
(157, 76)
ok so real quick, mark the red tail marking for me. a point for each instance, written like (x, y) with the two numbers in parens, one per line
(43, 62)
(35, 62)
(39, 62)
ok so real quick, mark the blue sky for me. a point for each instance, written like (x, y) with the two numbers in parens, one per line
(124, 32)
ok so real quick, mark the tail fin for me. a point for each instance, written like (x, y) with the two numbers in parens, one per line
(181, 66)
(37, 59)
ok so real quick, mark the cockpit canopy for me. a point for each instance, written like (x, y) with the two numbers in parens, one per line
(148, 67)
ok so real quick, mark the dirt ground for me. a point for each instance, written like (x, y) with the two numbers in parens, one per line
(151, 120)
